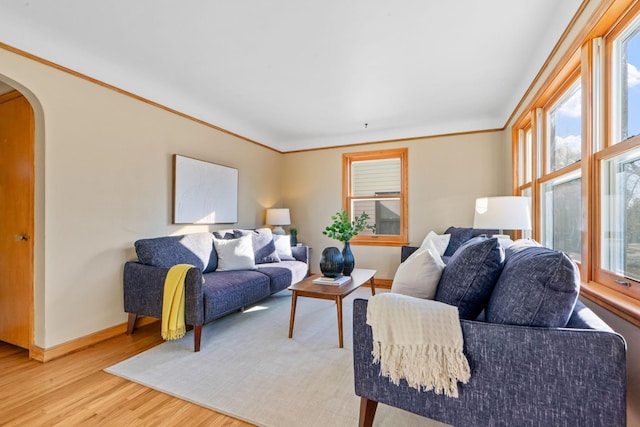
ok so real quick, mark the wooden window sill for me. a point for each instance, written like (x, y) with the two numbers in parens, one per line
(622, 305)
(380, 242)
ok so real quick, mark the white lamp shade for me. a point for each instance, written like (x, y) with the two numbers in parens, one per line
(278, 216)
(503, 213)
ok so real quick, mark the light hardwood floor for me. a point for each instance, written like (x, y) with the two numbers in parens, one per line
(75, 391)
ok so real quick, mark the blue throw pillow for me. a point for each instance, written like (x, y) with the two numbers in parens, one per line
(489, 232)
(458, 237)
(538, 287)
(470, 275)
(196, 249)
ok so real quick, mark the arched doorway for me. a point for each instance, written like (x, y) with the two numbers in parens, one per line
(16, 218)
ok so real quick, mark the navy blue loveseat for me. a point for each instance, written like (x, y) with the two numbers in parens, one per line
(209, 293)
(538, 356)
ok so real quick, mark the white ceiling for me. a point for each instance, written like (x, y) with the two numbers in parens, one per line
(294, 74)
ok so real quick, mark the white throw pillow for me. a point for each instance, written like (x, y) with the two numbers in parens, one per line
(418, 275)
(440, 241)
(235, 254)
(283, 247)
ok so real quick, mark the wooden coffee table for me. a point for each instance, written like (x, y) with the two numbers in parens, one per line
(306, 288)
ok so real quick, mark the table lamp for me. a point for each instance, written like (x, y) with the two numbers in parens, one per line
(503, 213)
(278, 218)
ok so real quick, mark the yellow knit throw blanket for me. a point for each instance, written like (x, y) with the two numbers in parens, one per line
(173, 326)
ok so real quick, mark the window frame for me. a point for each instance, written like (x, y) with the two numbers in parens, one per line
(347, 198)
(616, 282)
(590, 59)
(524, 169)
(565, 82)
(610, 149)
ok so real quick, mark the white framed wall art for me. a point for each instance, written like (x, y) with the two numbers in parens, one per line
(204, 192)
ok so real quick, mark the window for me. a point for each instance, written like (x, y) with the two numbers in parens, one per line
(562, 216)
(525, 151)
(620, 216)
(559, 185)
(376, 183)
(564, 127)
(580, 138)
(617, 164)
(527, 234)
(524, 167)
(626, 83)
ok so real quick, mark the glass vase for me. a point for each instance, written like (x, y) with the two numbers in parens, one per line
(347, 259)
(331, 262)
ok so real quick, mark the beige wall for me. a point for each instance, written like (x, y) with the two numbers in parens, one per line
(446, 175)
(104, 179)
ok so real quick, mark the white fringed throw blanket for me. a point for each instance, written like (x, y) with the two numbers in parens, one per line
(418, 340)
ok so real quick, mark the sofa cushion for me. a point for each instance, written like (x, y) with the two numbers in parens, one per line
(418, 275)
(226, 234)
(439, 241)
(283, 247)
(538, 287)
(283, 274)
(228, 291)
(235, 254)
(459, 235)
(486, 231)
(470, 275)
(264, 249)
(196, 249)
(279, 278)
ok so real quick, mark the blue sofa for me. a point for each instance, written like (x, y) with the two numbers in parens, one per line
(209, 292)
(522, 372)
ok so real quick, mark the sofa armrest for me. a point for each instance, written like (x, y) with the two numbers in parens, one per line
(519, 376)
(301, 253)
(144, 287)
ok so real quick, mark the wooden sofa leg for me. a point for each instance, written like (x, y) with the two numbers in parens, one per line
(367, 412)
(131, 323)
(197, 334)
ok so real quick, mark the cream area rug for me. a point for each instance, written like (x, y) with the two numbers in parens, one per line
(249, 369)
